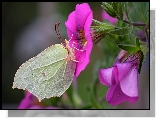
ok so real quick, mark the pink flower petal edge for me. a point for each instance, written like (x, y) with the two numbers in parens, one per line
(80, 19)
(105, 76)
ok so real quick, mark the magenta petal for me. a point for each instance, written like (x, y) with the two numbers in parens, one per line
(88, 22)
(26, 102)
(88, 50)
(115, 96)
(70, 24)
(85, 57)
(121, 70)
(105, 76)
(88, 38)
(129, 84)
(87, 32)
(82, 63)
(132, 99)
(82, 12)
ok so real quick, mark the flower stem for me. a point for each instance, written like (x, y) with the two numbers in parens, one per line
(135, 23)
(145, 29)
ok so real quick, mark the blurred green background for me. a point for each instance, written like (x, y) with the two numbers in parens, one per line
(28, 28)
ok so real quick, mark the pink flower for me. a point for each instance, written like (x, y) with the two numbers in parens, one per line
(31, 102)
(106, 16)
(122, 80)
(78, 27)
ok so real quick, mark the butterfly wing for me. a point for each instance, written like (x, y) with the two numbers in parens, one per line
(36, 70)
(60, 82)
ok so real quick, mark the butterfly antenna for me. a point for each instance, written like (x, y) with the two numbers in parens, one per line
(58, 32)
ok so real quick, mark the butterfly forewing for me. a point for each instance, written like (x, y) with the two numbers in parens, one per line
(47, 75)
(41, 67)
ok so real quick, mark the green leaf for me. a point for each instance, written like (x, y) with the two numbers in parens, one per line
(108, 8)
(102, 28)
(120, 10)
(137, 42)
(102, 24)
(115, 5)
(114, 9)
(129, 48)
(140, 9)
(118, 7)
(122, 31)
(97, 22)
(132, 38)
(121, 24)
(126, 8)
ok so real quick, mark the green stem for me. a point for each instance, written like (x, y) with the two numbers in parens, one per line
(135, 23)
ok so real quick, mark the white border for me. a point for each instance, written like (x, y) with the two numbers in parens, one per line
(152, 4)
(3, 113)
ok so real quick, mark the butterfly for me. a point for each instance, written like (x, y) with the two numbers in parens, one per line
(50, 73)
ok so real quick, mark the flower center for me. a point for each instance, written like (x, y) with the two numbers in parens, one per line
(81, 36)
